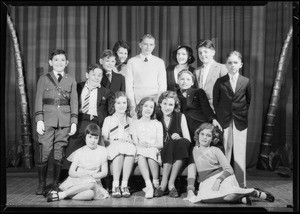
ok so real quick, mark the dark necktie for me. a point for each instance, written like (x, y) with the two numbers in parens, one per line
(146, 60)
(59, 77)
(108, 76)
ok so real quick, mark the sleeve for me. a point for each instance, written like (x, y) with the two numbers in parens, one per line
(248, 94)
(105, 127)
(159, 135)
(162, 78)
(39, 116)
(129, 83)
(205, 106)
(216, 95)
(74, 103)
(227, 169)
(123, 85)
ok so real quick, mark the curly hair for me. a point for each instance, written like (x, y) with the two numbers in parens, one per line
(139, 107)
(112, 102)
(217, 135)
(167, 95)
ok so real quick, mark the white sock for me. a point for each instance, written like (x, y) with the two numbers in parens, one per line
(62, 195)
(124, 184)
(148, 183)
(156, 183)
(115, 184)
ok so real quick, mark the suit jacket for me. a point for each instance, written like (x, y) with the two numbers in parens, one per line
(171, 83)
(231, 105)
(117, 82)
(56, 115)
(216, 71)
(103, 96)
(197, 105)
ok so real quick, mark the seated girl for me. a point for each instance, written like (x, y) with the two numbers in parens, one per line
(147, 134)
(89, 166)
(121, 150)
(217, 180)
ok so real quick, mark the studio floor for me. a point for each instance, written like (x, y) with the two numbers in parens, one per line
(21, 185)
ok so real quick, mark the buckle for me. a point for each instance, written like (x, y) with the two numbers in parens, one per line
(56, 101)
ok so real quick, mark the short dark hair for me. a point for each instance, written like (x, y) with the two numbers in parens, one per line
(119, 44)
(93, 129)
(238, 54)
(112, 102)
(92, 67)
(189, 51)
(147, 35)
(58, 52)
(108, 53)
(206, 43)
(139, 107)
(166, 95)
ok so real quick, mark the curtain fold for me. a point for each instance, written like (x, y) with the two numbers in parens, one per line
(258, 32)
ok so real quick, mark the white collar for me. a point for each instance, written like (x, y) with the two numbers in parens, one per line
(235, 76)
(148, 56)
(56, 73)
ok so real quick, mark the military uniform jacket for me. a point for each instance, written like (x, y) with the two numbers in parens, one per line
(57, 114)
(231, 105)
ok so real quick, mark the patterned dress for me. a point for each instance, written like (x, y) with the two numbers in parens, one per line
(150, 132)
(119, 137)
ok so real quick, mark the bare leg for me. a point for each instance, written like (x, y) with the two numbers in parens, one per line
(127, 167)
(117, 164)
(154, 168)
(175, 169)
(143, 166)
(165, 176)
(74, 190)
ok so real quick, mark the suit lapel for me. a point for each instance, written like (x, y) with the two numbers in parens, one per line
(239, 83)
(100, 94)
(210, 73)
(227, 82)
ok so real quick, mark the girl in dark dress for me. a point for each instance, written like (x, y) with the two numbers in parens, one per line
(176, 141)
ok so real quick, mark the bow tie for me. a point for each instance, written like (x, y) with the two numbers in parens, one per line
(183, 90)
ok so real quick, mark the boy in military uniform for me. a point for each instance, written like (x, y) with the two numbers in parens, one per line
(56, 114)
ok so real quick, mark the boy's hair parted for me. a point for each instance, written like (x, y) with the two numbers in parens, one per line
(206, 43)
(58, 52)
(238, 54)
(112, 102)
(107, 54)
(92, 67)
(217, 135)
(147, 35)
(93, 129)
(166, 95)
(139, 107)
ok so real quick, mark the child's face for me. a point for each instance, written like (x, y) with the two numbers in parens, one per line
(148, 109)
(122, 54)
(167, 106)
(205, 137)
(147, 46)
(185, 81)
(182, 56)
(206, 55)
(121, 105)
(59, 63)
(108, 63)
(233, 64)
(91, 141)
(94, 77)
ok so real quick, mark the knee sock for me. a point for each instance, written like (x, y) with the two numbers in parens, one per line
(156, 183)
(124, 184)
(191, 184)
(148, 183)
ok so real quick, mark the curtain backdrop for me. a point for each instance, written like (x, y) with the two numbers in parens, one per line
(258, 32)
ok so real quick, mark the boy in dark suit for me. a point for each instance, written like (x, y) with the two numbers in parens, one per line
(231, 100)
(93, 103)
(111, 80)
(56, 109)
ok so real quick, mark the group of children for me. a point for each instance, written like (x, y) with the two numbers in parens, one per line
(197, 123)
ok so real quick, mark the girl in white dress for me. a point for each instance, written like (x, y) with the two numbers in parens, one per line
(147, 134)
(89, 166)
(217, 180)
(121, 150)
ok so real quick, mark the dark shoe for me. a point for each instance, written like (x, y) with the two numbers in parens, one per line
(173, 193)
(269, 198)
(52, 196)
(158, 192)
(42, 174)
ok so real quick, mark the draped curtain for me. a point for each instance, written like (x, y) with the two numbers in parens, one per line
(258, 32)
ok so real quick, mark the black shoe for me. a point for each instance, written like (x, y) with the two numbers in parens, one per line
(173, 193)
(269, 198)
(158, 192)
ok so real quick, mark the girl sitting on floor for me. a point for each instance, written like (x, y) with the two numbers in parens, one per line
(218, 183)
(89, 166)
